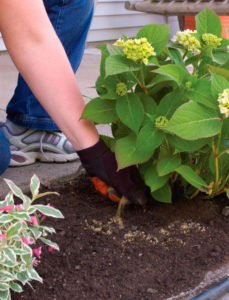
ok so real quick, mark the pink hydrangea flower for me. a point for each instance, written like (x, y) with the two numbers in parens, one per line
(33, 220)
(35, 261)
(37, 252)
(26, 241)
(7, 208)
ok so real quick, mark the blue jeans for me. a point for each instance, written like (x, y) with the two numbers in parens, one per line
(71, 20)
(4, 153)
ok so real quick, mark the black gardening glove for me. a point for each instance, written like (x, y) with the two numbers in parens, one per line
(99, 161)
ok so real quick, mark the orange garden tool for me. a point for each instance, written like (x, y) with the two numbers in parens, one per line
(105, 189)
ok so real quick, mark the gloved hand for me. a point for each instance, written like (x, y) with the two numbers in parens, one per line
(100, 162)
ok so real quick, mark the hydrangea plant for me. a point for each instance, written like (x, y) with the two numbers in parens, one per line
(168, 107)
(20, 229)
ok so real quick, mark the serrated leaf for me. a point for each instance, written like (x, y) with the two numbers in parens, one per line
(117, 64)
(168, 164)
(208, 22)
(153, 180)
(191, 177)
(157, 35)
(49, 211)
(177, 73)
(164, 194)
(218, 70)
(127, 153)
(201, 93)
(192, 121)
(100, 111)
(219, 83)
(176, 56)
(130, 111)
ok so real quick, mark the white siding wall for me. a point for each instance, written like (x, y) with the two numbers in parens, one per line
(2, 46)
(111, 21)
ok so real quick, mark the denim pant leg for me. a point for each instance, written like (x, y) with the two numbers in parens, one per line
(71, 20)
(4, 153)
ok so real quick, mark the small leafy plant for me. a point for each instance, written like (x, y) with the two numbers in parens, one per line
(20, 229)
(168, 106)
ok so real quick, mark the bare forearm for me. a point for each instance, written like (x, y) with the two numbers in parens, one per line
(41, 59)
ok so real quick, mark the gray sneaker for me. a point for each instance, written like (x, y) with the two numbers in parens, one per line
(29, 145)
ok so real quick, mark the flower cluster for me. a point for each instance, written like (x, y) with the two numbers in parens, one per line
(211, 40)
(223, 100)
(187, 39)
(137, 49)
(121, 89)
(161, 122)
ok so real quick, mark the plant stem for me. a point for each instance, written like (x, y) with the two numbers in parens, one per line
(217, 160)
(185, 54)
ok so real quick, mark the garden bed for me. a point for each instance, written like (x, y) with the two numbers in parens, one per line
(160, 251)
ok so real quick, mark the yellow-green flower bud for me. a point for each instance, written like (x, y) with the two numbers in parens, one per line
(121, 89)
(223, 100)
(137, 49)
(188, 40)
(161, 122)
(188, 84)
(211, 40)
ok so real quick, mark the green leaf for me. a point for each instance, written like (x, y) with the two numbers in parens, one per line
(13, 230)
(191, 177)
(100, 111)
(16, 287)
(168, 104)
(34, 185)
(10, 255)
(21, 216)
(32, 273)
(6, 276)
(218, 70)
(15, 189)
(200, 92)
(5, 219)
(220, 56)
(176, 56)
(130, 111)
(182, 145)
(153, 180)
(148, 102)
(118, 64)
(127, 153)
(177, 73)
(37, 233)
(50, 243)
(208, 22)
(4, 295)
(22, 277)
(168, 164)
(49, 211)
(114, 50)
(157, 35)
(219, 83)
(4, 286)
(163, 194)
(192, 121)
(149, 139)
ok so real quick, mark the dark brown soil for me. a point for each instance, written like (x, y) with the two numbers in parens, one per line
(160, 251)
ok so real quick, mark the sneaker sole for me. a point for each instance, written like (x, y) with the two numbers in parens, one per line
(28, 158)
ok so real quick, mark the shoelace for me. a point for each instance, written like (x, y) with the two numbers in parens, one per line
(41, 146)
